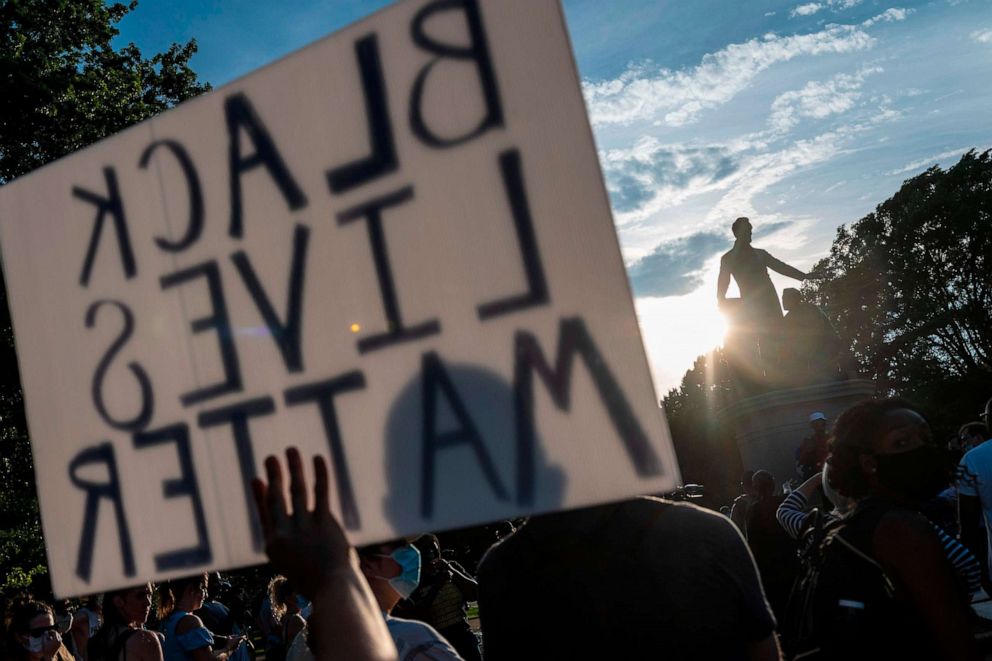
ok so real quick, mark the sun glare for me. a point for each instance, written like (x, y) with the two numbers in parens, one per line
(676, 330)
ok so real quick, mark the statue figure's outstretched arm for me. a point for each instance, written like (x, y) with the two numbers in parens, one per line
(781, 267)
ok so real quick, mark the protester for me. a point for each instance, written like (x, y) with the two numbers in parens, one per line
(122, 636)
(774, 550)
(393, 572)
(975, 495)
(286, 612)
(637, 579)
(911, 605)
(738, 513)
(32, 635)
(796, 517)
(86, 623)
(186, 639)
(64, 620)
(812, 451)
(441, 598)
(310, 548)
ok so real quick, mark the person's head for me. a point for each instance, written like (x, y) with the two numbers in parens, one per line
(884, 448)
(818, 422)
(63, 616)
(217, 586)
(429, 546)
(972, 435)
(31, 631)
(742, 230)
(392, 570)
(842, 504)
(764, 483)
(186, 594)
(128, 607)
(791, 298)
(282, 596)
(747, 482)
(986, 415)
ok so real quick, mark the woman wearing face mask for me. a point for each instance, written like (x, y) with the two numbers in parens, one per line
(123, 636)
(32, 634)
(392, 570)
(186, 639)
(883, 455)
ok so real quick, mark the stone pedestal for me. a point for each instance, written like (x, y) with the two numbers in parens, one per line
(769, 427)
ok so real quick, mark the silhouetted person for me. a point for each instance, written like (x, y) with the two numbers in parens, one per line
(773, 548)
(812, 452)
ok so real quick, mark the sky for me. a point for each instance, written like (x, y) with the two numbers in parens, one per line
(801, 115)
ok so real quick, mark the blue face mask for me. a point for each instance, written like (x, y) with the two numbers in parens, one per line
(408, 558)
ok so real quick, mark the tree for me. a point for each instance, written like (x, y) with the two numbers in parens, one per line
(704, 444)
(909, 288)
(64, 87)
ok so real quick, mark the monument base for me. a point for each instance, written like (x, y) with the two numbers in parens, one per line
(769, 427)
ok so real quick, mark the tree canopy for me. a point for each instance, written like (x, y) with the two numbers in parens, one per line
(909, 288)
(65, 86)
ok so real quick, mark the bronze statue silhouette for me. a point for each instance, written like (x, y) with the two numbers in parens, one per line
(756, 317)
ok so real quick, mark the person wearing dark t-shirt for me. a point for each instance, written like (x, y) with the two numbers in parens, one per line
(625, 580)
(775, 552)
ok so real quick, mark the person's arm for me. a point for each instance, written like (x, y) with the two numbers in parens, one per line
(964, 562)
(925, 578)
(781, 267)
(206, 651)
(465, 583)
(310, 548)
(792, 514)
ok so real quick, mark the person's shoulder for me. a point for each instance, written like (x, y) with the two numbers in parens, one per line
(981, 453)
(412, 631)
(142, 644)
(681, 517)
(188, 622)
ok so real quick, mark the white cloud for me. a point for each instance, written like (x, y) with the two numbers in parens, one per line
(982, 36)
(919, 165)
(890, 15)
(676, 97)
(811, 8)
(818, 99)
(806, 10)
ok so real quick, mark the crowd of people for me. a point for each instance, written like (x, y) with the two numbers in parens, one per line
(863, 555)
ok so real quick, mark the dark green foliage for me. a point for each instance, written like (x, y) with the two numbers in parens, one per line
(64, 87)
(909, 289)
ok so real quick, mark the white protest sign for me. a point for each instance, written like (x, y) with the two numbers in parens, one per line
(392, 248)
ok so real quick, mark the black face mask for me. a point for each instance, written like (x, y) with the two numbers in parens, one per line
(920, 473)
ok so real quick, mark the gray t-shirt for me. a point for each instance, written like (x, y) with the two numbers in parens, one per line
(417, 641)
(625, 580)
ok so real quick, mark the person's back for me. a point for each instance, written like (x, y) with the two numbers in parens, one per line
(621, 581)
(774, 550)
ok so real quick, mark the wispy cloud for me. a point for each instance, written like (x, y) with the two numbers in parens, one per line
(890, 15)
(806, 10)
(675, 268)
(982, 36)
(819, 99)
(664, 175)
(924, 163)
(646, 93)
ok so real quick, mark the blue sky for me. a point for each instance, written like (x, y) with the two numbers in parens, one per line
(801, 115)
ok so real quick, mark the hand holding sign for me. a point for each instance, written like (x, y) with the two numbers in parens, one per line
(310, 548)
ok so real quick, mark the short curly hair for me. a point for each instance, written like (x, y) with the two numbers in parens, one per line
(854, 435)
